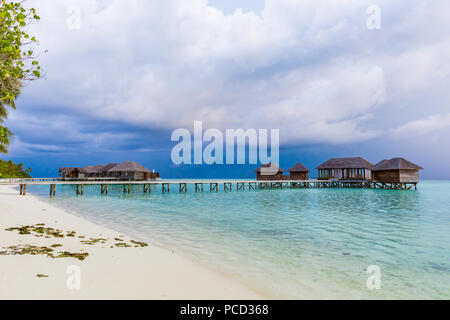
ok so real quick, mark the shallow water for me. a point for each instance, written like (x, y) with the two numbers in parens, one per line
(290, 242)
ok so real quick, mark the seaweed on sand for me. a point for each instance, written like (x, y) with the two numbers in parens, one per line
(122, 245)
(35, 250)
(66, 254)
(93, 241)
(27, 249)
(37, 230)
(140, 244)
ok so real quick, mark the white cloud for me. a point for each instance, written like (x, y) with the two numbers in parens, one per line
(431, 124)
(310, 68)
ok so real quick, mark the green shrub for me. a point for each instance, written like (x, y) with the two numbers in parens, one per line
(9, 169)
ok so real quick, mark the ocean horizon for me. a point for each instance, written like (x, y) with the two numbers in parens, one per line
(291, 242)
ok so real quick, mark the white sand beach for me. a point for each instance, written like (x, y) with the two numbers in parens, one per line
(108, 272)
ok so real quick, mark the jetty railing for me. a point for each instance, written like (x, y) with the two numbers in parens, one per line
(15, 181)
(209, 185)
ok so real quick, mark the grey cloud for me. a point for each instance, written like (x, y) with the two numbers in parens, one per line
(309, 67)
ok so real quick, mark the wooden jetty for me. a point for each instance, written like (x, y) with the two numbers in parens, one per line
(206, 185)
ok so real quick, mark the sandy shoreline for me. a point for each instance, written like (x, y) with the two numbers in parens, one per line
(108, 272)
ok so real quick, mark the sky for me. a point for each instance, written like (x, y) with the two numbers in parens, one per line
(337, 78)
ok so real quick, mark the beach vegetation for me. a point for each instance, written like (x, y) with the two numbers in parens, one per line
(8, 169)
(18, 59)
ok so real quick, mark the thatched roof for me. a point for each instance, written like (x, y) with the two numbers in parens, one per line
(70, 169)
(346, 163)
(129, 166)
(269, 167)
(107, 167)
(94, 169)
(299, 168)
(395, 164)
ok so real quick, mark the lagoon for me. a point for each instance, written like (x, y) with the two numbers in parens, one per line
(289, 242)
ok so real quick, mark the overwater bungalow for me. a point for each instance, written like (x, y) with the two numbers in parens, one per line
(129, 170)
(396, 170)
(71, 173)
(104, 171)
(93, 171)
(355, 168)
(269, 171)
(298, 172)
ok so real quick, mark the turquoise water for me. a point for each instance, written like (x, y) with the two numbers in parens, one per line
(292, 243)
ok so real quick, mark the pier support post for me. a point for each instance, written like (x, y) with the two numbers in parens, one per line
(165, 187)
(183, 187)
(52, 190)
(197, 188)
(213, 187)
(23, 189)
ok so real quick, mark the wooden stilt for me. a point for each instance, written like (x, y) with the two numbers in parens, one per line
(199, 187)
(52, 190)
